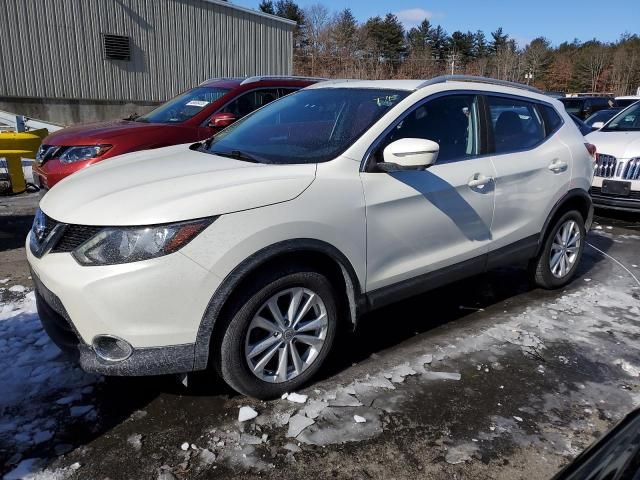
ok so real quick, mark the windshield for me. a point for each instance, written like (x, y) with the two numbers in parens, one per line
(184, 106)
(309, 126)
(626, 121)
(601, 116)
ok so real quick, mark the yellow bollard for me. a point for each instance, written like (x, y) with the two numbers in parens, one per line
(14, 146)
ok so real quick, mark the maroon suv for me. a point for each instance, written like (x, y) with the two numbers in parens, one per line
(194, 115)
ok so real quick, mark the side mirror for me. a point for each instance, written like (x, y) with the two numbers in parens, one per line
(221, 120)
(411, 153)
(597, 125)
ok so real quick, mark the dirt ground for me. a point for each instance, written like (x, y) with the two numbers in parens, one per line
(484, 379)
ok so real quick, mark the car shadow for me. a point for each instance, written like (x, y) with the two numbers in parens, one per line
(14, 230)
(446, 198)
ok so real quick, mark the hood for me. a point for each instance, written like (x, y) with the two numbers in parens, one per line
(619, 144)
(101, 132)
(169, 185)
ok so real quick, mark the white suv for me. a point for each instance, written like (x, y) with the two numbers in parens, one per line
(617, 176)
(248, 252)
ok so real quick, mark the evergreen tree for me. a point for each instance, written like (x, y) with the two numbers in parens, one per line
(499, 40)
(266, 6)
(344, 32)
(418, 38)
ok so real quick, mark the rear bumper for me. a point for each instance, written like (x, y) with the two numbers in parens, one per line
(143, 361)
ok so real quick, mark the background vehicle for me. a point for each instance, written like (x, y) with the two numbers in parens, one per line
(194, 115)
(616, 184)
(601, 117)
(584, 107)
(283, 228)
(625, 101)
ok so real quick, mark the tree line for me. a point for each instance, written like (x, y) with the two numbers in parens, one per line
(336, 45)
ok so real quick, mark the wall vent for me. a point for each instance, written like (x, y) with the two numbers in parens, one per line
(116, 47)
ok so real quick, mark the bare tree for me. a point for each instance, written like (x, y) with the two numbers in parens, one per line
(594, 59)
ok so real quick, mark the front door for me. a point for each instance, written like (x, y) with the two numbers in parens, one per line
(421, 222)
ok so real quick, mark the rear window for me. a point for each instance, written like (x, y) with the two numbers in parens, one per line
(517, 124)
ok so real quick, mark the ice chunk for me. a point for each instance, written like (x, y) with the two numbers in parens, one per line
(359, 419)
(292, 447)
(17, 289)
(42, 436)
(442, 376)
(246, 413)
(185, 446)
(461, 453)
(517, 419)
(135, 441)
(207, 456)
(297, 398)
(345, 400)
(24, 468)
(627, 367)
(297, 424)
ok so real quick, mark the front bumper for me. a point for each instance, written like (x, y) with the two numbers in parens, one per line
(629, 204)
(155, 305)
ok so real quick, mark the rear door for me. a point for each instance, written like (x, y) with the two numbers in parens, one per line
(533, 169)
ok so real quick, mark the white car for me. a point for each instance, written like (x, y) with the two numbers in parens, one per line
(626, 100)
(249, 252)
(616, 184)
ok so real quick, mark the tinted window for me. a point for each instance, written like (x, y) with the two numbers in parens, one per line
(626, 102)
(308, 126)
(552, 119)
(450, 121)
(185, 106)
(247, 103)
(517, 125)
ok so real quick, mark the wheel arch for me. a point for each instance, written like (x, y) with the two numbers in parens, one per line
(322, 255)
(576, 199)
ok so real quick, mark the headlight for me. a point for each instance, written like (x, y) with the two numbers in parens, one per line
(133, 244)
(77, 154)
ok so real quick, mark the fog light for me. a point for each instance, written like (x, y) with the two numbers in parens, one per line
(112, 349)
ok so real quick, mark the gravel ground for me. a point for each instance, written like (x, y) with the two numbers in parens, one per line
(485, 378)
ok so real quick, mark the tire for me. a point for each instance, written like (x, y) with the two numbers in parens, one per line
(240, 336)
(541, 271)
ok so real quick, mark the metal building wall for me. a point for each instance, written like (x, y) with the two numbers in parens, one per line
(53, 48)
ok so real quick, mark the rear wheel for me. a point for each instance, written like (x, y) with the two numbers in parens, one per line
(279, 335)
(557, 262)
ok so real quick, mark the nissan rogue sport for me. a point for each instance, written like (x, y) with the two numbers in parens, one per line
(247, 252)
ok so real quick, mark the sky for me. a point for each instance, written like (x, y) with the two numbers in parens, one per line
(557, 20)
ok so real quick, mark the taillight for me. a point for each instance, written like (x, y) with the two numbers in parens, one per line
(591, 148)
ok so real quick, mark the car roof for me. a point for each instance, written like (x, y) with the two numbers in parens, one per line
(628, 97)
(409, 85)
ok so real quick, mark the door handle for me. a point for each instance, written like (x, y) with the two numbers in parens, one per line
(479, 180)
(558, 166)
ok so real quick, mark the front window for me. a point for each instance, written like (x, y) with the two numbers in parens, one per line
(626, 121)
(184, 106)
(309, 126)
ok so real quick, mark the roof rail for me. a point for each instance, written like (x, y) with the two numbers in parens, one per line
(473, 78)
(215, 79)
(259, 78)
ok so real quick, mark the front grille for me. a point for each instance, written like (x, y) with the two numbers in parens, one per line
(605, 165)
(634, 195)
(73, 237)
(49, 224)
(632, 170)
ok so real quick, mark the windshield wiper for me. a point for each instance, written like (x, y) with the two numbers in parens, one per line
(237, 155)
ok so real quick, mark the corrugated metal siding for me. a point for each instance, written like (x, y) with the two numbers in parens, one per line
(53, 48)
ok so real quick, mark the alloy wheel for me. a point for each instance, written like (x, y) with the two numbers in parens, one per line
(286, 334)
(565, 249)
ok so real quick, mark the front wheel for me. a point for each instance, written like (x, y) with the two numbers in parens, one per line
(281, 334)
(557, 262)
